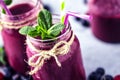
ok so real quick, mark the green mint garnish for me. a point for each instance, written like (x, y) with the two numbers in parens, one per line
(45, 19)
(2, 56)
(3, 11)
(44, 28)
(8, 2)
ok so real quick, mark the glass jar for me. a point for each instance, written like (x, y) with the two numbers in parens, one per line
(71, 63)
(105, 20)
(24, 13)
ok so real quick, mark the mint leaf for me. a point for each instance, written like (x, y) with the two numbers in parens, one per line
(8, 2)
(25, 30)
(56, 29)
(34, 33)
(44, 28)
(46, 36)
(2, 55)
(45, 19)
(3, 11)
(41, 29)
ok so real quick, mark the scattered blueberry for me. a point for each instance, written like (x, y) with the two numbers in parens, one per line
(16, 77)
(107, 77)
(47, 7)
(7, 73)
(100, 71)
(28, 77)
(77, 19)
(85, 23)
(117, 77)
(85, 1)
(94, 76)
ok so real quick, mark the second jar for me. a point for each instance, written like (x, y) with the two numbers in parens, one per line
(24, 13)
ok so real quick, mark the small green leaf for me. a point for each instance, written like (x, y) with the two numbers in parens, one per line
(34, 33)
(8, 2)
(46, 36)
(3, 11)
(25, 30)
(56, 29)
(45, 19)
(40, 29)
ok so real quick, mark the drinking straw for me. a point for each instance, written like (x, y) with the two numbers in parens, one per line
(84, 16)
(62, 10)
(3, 5)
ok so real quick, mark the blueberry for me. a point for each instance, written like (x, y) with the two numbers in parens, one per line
(100, 71)
(107, 77)
(16, 77)
(7, 72)
(47, 7)
(85, 1)
(94, 76)
(28, 77)
(77, 19)
(85, 23)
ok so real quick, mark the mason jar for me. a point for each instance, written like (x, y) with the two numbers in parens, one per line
(105, 22)
(24, 13)
(57, 63)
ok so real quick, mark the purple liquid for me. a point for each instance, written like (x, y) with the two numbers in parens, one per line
(106, 19)
(21, 9)
(72, 66)
(15, 43)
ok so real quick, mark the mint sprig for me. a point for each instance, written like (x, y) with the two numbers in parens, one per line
(44, 29)
(8, 2)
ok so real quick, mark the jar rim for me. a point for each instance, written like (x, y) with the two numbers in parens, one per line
(68, 28)
(26, 13)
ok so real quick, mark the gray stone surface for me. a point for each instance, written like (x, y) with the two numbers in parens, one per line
(95, 53)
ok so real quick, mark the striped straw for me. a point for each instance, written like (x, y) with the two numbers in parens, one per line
(62, 10)
(3, 5)
(69, 13)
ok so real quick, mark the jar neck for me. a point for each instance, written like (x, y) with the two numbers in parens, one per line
(27, 18)
(48, 44)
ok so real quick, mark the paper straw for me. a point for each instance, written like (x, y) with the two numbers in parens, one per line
(83, 16)
(62, 10)
(3, 5)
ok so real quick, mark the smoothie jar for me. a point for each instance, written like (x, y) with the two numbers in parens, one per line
(105, 20)
(24, 13)
(71, 63)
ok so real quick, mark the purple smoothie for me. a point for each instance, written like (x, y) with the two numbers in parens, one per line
(105, 21)
(14, 43)
(72, 67)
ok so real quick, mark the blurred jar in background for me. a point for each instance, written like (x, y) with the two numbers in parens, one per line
(105, 22)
